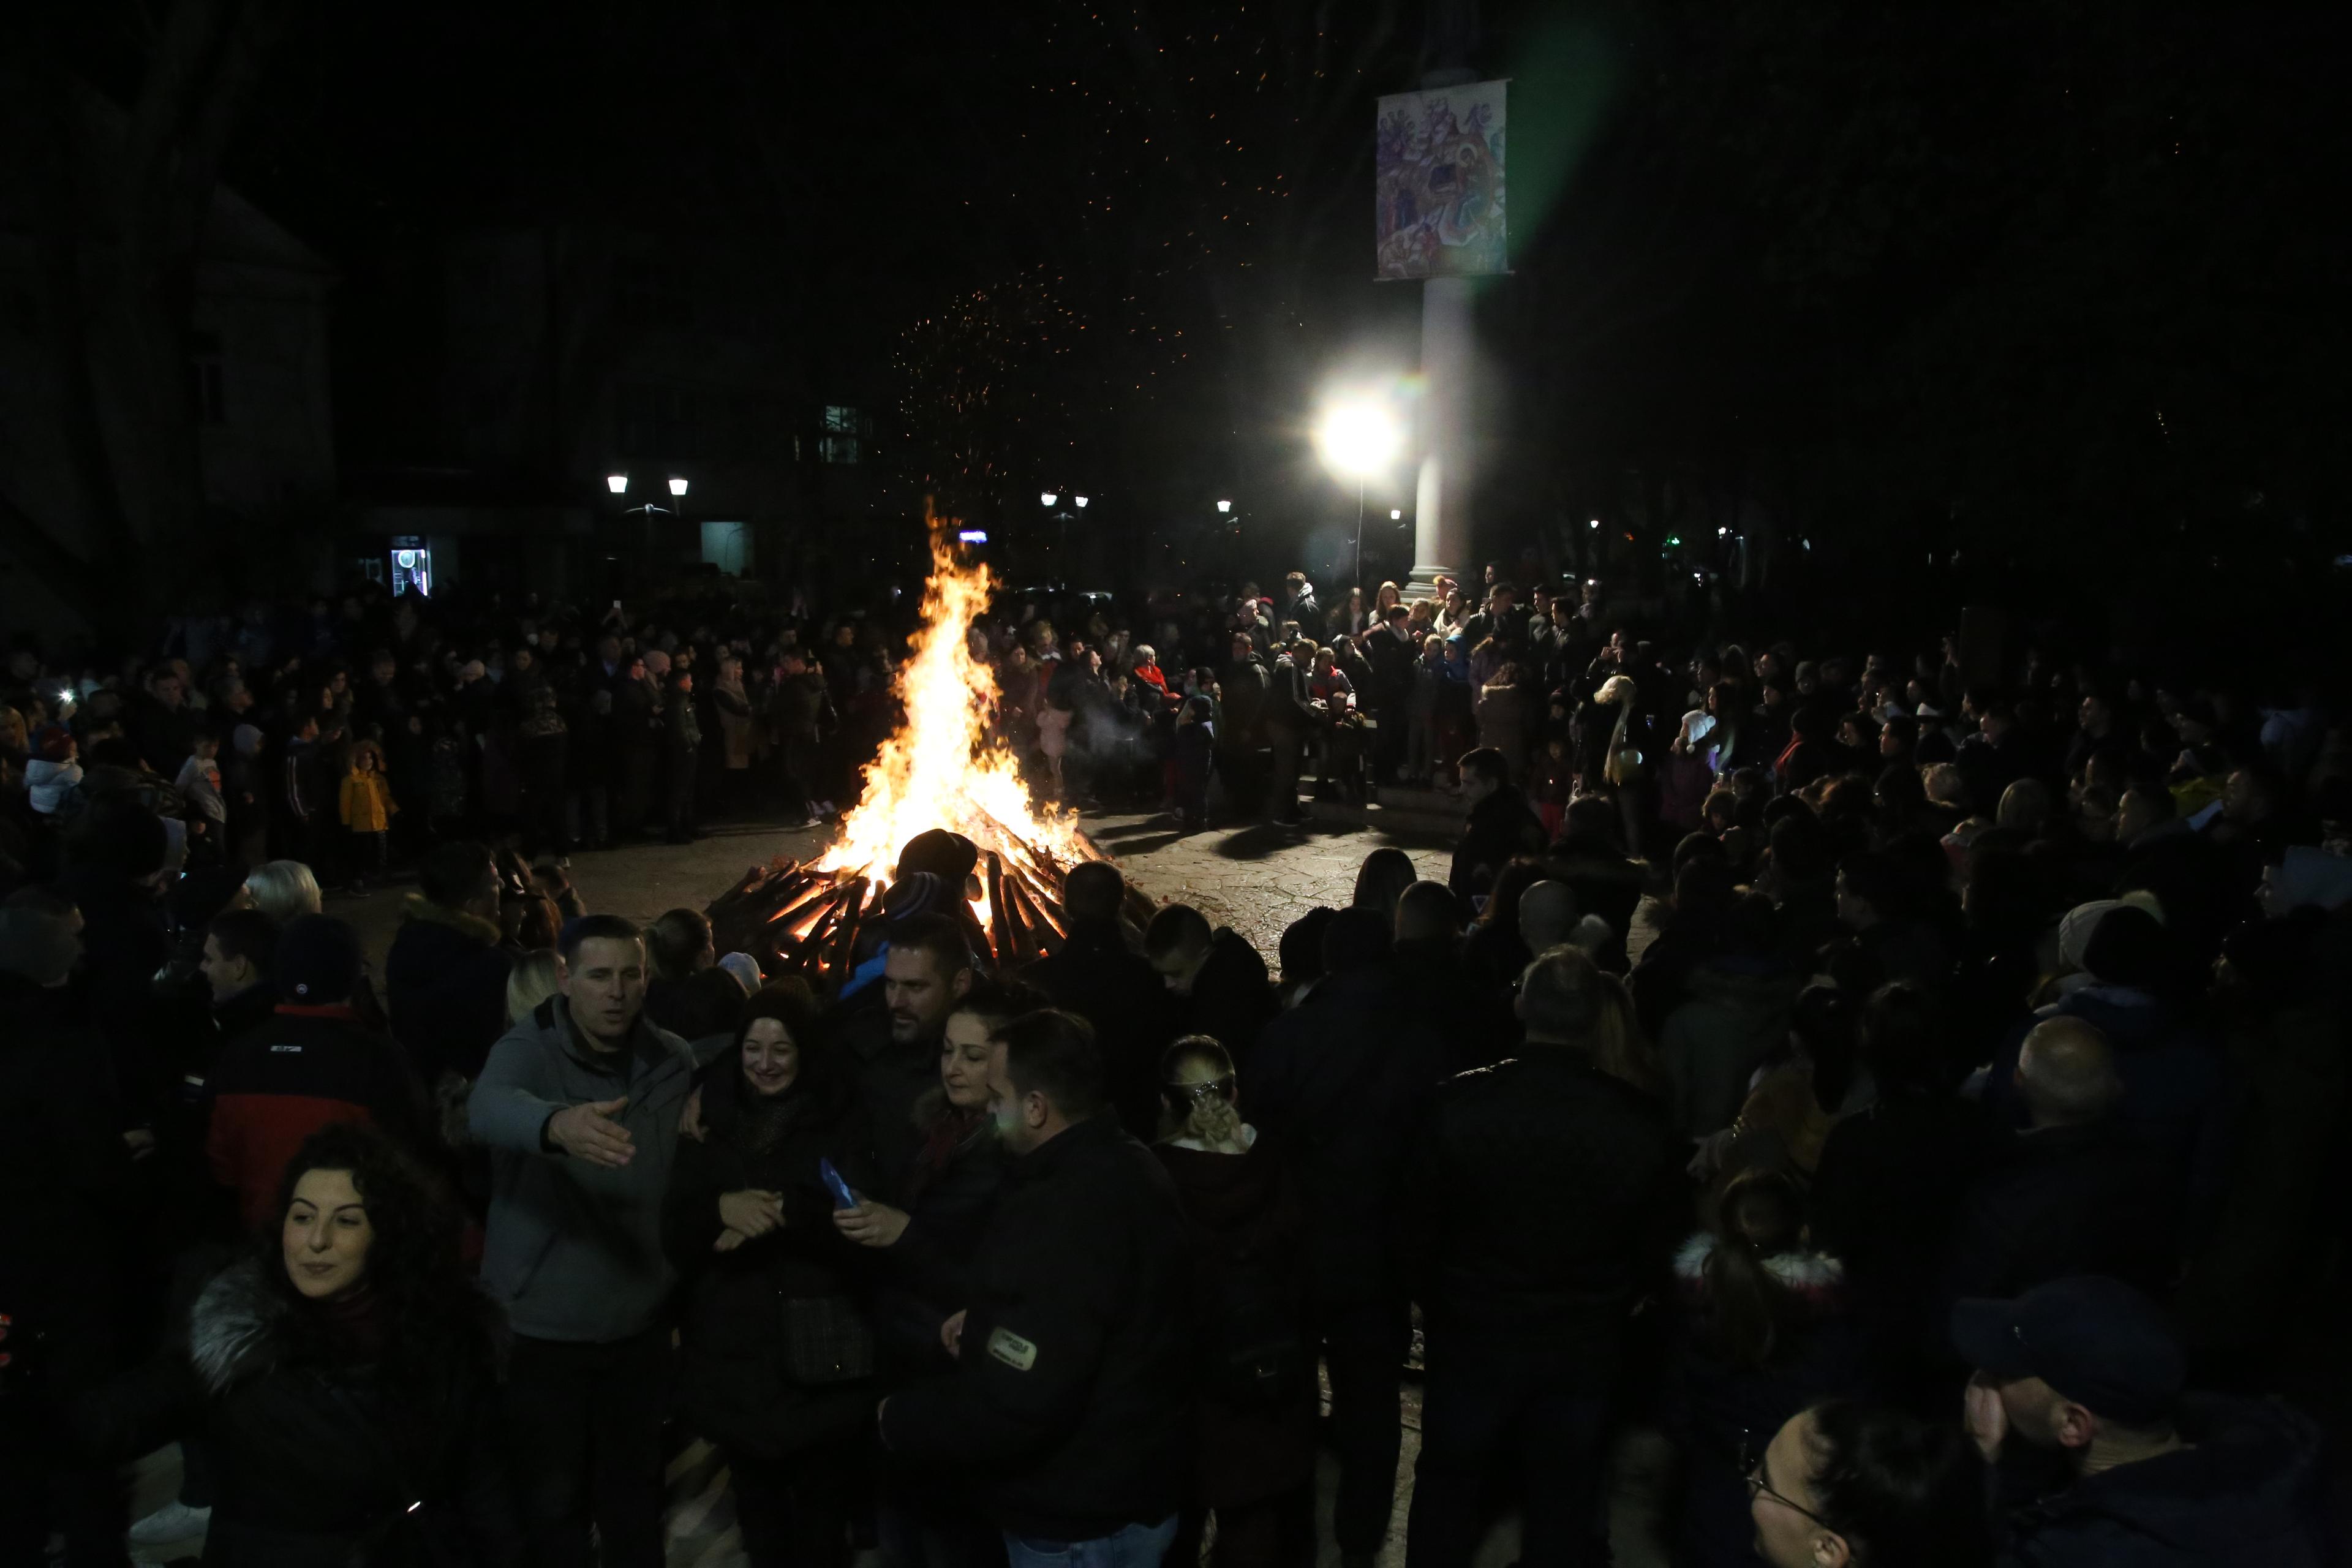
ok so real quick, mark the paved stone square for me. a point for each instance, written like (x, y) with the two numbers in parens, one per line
(1255, 878)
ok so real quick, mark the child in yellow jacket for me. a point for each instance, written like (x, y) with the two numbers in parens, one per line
(367, 811)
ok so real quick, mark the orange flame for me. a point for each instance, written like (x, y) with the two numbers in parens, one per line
(940, 769)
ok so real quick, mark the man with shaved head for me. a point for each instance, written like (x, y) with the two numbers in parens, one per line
(2071, 1193)
(1546, 915)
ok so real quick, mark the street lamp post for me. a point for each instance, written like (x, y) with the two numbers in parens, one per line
(1358, 440)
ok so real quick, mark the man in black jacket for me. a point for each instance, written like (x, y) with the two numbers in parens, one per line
(1219, 982)
(1070, 1395)
(2071, 1194)
(1339, 1079)
(1243, 686)
(1113, 989)
(1392, 652)
(444, 980)
(1501, 824)
(2081, 1381)
(926, 972)
(1546, 1198)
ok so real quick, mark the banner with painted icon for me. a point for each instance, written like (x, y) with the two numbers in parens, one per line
(1438, 164)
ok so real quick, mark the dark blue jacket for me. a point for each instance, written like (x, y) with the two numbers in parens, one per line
(2248, 1493)
(2172, 1101)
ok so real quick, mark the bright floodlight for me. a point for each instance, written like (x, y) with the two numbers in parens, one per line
(972, 535)
(617, 483)
(1596, 522)
(1080, 500)
(1358, 440)
(677, 487)
(1396, 514)
(1047, 498)
(1225, 506)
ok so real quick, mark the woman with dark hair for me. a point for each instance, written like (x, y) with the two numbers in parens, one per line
(1847, 1485)
(1381, 880)
(779, 1344)
(925, 1254)
(1760, 1335)
(342, 1380)
(1254, 1419)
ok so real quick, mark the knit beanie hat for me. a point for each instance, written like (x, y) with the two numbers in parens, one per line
(917, 893)
(745, 969)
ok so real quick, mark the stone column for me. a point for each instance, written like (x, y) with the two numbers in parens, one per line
(1442, 495)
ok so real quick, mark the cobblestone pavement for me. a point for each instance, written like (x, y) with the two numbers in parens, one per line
(1257, 880)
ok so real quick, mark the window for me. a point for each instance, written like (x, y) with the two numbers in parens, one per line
(841, 426)
(209, 386)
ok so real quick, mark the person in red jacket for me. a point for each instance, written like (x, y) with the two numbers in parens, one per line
(310, 1063)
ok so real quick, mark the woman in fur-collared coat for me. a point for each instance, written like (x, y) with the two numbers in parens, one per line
(342, 1380)
(1759, 1332)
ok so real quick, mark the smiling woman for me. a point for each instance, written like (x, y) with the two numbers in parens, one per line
(341, 1377)
(779, 1344)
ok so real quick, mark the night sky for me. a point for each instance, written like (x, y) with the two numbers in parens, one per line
(2057, 278)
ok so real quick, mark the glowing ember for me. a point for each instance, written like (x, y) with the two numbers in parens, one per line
(940, 770)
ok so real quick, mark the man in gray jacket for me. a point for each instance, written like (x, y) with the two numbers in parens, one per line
(579, 1105)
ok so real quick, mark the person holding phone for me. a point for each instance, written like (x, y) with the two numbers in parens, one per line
(777, 1336)
(925, 1250)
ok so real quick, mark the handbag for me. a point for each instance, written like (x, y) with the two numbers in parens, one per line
(1625, 766)
(827, 1341)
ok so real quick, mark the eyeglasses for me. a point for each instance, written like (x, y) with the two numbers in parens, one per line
(1752, 1465)
(1199, 1093)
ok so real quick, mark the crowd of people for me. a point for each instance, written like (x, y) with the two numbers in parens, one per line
(1908, 1090)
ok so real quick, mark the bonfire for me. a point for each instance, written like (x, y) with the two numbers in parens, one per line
(943, 768)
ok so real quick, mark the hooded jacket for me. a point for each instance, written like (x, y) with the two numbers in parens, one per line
(2248, 1493)
(574, 1249)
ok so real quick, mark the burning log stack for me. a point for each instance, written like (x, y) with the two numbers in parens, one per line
(796, 917)
(940, 775)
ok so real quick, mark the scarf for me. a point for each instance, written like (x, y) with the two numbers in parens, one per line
(766, 1119)
(353, 1318)
(940, 1142)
